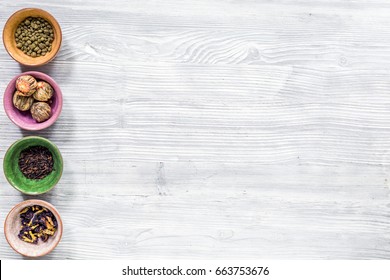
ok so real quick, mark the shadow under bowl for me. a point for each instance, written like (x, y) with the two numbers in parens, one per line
(24, 119)
(16, 178)
(9, 37)
(12, 227)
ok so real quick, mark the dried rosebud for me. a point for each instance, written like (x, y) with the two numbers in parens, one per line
(40, 111)
(22, 102)
(44, 91)
(26, 84)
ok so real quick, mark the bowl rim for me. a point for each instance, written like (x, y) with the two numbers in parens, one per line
(57, 92)
(52, 145)
(51, 207)
(53, 22)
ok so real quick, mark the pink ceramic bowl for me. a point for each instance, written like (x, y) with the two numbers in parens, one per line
(24, 119)
(12, 225)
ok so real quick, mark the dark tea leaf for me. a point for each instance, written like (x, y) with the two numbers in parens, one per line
(36, 162)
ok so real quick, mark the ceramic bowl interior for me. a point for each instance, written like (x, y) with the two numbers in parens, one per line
(12, 227)
(24, 119)
(10, 43)
(16, 178)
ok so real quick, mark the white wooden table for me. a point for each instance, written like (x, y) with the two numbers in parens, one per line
(217, 129)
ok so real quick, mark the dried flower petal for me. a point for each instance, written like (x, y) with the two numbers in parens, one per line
(38, 225)
(44, 91)
(24, 210)
(26, 84)
(40, 111)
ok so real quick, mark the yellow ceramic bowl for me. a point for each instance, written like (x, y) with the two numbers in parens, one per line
(10, 43)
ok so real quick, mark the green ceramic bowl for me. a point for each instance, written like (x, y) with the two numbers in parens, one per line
(16, 178)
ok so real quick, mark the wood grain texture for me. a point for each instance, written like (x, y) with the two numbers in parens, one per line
(217, 129)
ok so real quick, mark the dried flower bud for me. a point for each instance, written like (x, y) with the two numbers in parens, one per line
(44, 91)
(22, 102)
(40, 111)
(26, 84)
